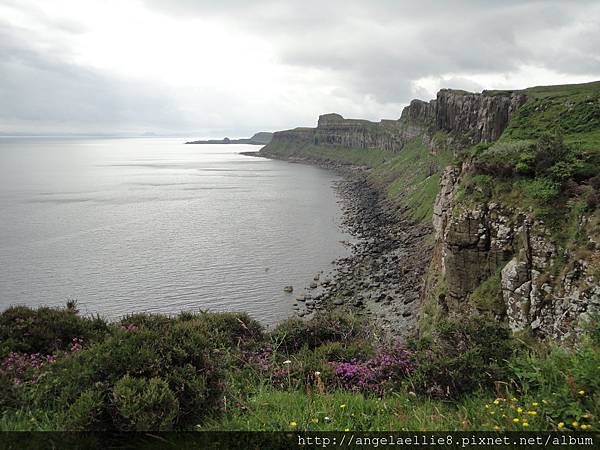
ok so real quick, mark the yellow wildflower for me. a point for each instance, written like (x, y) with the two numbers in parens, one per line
(575, 424)
(496, 402)
(535, 404)
(544, 402)
(532, 413)
(497, 428)
(516, 419)
(343, 405)
(561, 424)
(584, 427)
(519, 409)
(293, 424)
(315, 420)
(582, 392)
(346, 429)
(525, 424)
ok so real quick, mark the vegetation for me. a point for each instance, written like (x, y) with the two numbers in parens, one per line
(225, 372)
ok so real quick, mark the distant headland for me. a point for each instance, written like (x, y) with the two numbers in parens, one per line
(261, 138)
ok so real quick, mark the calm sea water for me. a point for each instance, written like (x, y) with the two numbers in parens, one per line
(129, 225)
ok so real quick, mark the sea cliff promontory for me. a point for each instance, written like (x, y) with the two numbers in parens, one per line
(260, 138)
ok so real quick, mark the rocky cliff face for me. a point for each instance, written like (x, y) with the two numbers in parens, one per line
(475, 117)
(542, 286)
(467, 118)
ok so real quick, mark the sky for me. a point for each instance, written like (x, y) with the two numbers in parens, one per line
(233, 67)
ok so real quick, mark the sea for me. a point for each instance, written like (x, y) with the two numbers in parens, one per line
(134, 225)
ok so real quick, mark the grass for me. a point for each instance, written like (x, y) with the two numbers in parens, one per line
(271, 410)
(411, 178)
(575, 109)
(267, 384)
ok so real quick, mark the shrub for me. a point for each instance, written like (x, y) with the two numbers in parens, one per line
(222, 329)
(144, 404)
(550, 149)
(293, 334)
(85, 413)
(45, 330)
(285, 371)
(391, 364)
(178, 352)
(462, 356)
(542, 189)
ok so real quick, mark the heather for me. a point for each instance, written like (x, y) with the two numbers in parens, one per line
(212, 371)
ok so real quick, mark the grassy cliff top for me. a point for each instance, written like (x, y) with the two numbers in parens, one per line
(572, 109)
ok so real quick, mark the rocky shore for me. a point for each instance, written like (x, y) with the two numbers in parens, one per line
(383, 276)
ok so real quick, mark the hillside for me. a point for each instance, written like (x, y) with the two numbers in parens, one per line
(509, 181)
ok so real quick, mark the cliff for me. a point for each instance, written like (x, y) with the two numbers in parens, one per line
(530, 278)
(514, 204)
(464, 118)
(260, 138)
(516, 223)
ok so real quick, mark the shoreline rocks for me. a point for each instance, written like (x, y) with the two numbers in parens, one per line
(383, 276)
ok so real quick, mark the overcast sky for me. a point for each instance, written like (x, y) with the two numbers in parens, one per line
(215, 68)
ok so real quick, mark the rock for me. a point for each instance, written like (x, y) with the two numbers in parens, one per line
(338, 302)
(288, 289)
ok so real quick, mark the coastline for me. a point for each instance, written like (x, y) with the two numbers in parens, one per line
(383, 277)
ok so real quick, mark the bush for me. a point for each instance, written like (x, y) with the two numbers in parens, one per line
(542, 189)
(293, 334)
(118, 383)
(85, 413)
(390, 365)
(462, 356)
(144, 404)
(222, 329)
(550, 149)
(45, 330)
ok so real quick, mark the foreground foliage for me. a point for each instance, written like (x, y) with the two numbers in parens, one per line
(224, 371)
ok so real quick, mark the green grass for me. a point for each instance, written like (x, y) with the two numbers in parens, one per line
(411, 178)
(574, 109)
(271, 410)
(542, 385)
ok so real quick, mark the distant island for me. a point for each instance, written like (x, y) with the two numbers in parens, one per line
(261, 138)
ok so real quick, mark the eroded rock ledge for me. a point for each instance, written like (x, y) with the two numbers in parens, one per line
(543, 286)
(467, 118)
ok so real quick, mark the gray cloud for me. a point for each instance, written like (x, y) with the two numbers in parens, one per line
(382, 46)
(38, 88)
(369, 54)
